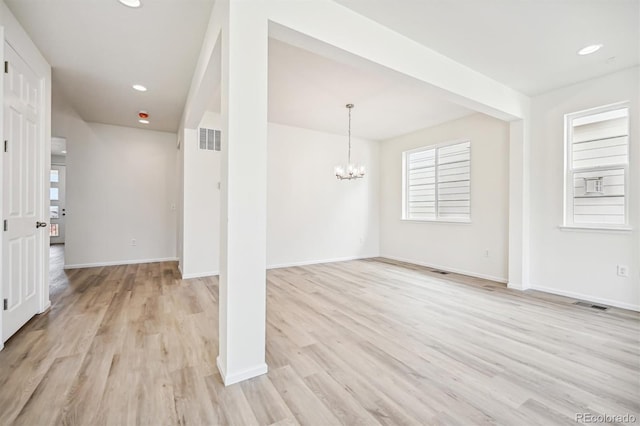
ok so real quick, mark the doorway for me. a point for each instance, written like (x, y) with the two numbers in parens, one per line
(57, 210)
(57, 214)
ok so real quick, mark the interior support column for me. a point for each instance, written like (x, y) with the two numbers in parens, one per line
(519, 163)
(242, 297)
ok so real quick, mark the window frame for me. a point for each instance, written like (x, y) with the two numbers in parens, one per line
(405, 183)
(569, 171)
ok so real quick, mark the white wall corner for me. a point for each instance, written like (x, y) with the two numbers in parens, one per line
(243, 230)
(519, 204)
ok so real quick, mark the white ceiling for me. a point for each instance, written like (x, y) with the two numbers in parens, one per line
(310, 91)
(98, 48)
(529, 45)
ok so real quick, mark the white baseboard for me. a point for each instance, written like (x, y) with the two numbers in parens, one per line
(46, 307)
(316, 262)
(518, 286)
(119, 262)
(448, 269)
(239, 376)
(587, 298)
(281, 265)
(199, 275)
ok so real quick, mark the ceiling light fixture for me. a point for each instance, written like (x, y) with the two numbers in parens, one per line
(587, 50)
(131, 3)
(143, 115)
(350, 171)
(139, 87)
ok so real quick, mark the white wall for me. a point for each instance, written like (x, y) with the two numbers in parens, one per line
(121, 184)
(581, 264)
(311, 216)
(201, 240)
(457, 247)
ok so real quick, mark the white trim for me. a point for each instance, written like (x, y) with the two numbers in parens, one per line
(516, 286)
(587, 297)
(599, 229)
(315, 262)
(199, 275)
(457, 222)
(229, 379)
(119, 262)
(448, 269)
(46, 307)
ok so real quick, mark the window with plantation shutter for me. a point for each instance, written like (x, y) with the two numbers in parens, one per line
(437, 183)
(597, 143)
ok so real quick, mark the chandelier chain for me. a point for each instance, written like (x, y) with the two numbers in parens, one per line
(349, 156)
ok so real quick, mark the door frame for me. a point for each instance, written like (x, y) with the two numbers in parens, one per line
(12, 33)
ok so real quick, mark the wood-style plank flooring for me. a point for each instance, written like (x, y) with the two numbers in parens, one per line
(357, 343)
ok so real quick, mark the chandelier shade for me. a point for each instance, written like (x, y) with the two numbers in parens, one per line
(350, 170)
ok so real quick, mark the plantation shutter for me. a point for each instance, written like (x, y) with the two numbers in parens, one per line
(438, 182)
(454, 181)
(421, 183)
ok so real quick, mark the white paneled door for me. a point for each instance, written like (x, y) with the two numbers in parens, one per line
(23, 195)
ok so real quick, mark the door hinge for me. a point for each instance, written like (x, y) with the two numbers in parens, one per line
(6, 225)
(6, 67)
(6, 304)
(6, 144)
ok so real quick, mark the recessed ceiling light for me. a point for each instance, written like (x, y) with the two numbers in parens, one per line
(131, 3)
(139, 87)
(589, 49)
(143, 121)
(64, 152)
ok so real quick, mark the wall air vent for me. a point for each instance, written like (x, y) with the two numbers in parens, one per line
(209, 139)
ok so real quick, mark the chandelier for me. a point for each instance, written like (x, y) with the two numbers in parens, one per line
(351, 170)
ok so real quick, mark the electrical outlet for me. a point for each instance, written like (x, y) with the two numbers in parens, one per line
(133, 242)
(486, 253)
(623, 271)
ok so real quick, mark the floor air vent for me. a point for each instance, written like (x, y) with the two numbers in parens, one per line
(590, 305)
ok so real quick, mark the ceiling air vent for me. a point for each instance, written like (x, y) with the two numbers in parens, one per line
(209, 139)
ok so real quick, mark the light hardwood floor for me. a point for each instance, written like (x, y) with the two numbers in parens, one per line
(362, 342)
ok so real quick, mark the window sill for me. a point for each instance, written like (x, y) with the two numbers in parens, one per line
(459, 222)
(599, 229)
